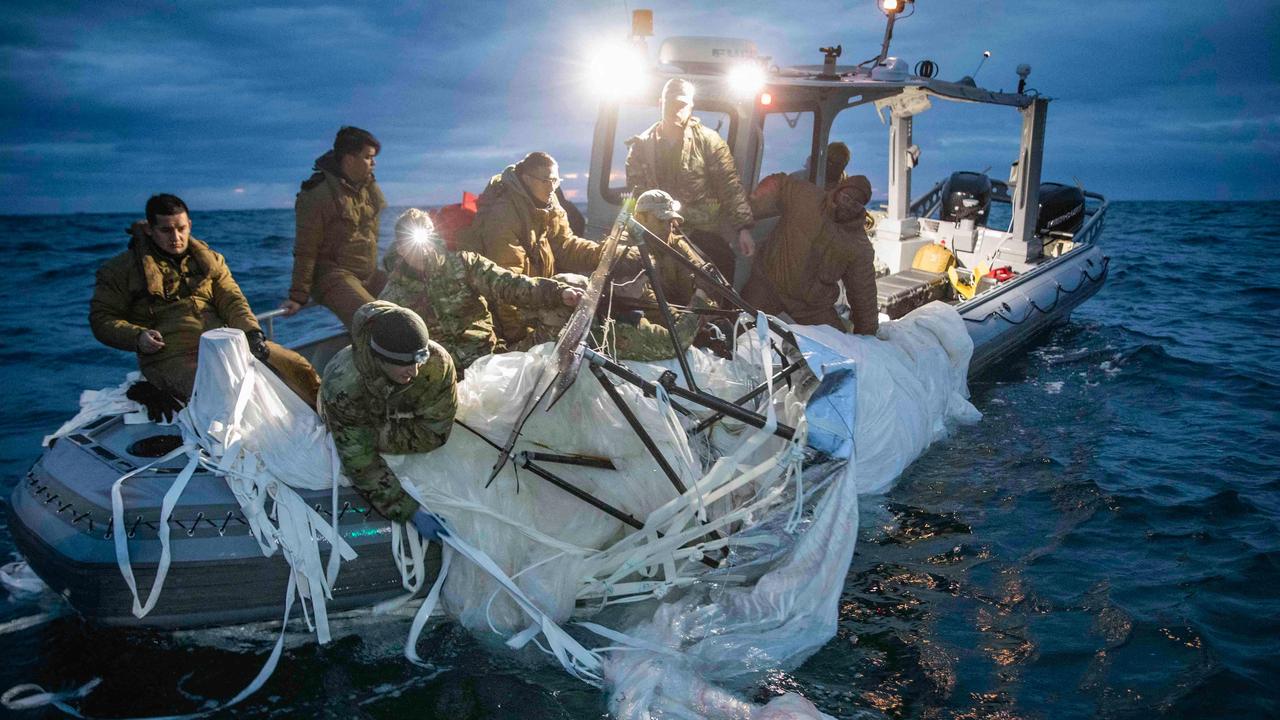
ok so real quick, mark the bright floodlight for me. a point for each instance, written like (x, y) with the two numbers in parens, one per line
(616, 71)
(420, 235)
(746, 79)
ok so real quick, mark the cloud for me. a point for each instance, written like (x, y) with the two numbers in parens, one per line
(110, 102)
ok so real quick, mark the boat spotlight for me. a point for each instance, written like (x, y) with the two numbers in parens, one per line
(617, 72)
(746, 79)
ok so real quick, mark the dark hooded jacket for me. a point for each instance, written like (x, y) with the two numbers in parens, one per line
(369, 414)
(808, 254)
(337, 229)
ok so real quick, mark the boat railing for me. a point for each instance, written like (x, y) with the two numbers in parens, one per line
(925, 205)
(1092, 227)
(268, 321)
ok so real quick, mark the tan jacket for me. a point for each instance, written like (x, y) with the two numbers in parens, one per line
(808, 254)
(144, 289)
(337, 229)
(526, 238)
(707, 185)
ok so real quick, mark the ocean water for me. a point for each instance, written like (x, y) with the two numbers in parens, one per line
(1105, 543)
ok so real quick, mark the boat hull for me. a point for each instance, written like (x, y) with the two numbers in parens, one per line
(60, 519)
(1008, 317)
(60, 515)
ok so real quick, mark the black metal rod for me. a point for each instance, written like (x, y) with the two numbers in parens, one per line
(596, 503)
(580, 460)
(634, 304)
(570, 488)
(660, 295)
(715, 284)
(777, 378)
(639, 430)
(582, 495)
(706, 400)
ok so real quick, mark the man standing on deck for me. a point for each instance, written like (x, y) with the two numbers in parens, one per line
(335, 251)
(394, 391)
(693, 164)
(160, 295)
(819, 242)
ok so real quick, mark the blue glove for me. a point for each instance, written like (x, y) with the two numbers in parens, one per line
(428, 525)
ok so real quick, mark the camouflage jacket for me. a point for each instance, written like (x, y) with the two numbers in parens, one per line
(647, 341)
(369, 414)
(144, 289)
(707, 184)
(526, 238)
(453, 293)
(337, 229)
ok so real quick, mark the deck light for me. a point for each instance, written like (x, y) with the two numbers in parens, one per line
(766, 99)
(891, 8)
(746, 79)
(616, 72)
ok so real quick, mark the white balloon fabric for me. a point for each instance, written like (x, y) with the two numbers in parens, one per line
(788, 524)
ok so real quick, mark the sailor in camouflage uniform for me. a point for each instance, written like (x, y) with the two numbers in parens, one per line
(391, 391)
(454, 292)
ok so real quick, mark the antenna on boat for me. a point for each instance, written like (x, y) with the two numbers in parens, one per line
(891, 8)
(969, 79)
(986, 55)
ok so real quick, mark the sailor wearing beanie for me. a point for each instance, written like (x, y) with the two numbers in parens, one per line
(394, 391)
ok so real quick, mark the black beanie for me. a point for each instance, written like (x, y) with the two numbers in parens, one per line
(399, 337)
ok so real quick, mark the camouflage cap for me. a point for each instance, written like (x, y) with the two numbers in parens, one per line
(660, 204)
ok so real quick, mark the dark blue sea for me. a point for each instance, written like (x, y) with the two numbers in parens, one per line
(1105, 543)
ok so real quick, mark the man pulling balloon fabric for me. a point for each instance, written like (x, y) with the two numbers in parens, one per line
(394, 391)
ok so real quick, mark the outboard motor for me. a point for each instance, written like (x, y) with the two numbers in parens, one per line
(966, 195)
(1061, 208)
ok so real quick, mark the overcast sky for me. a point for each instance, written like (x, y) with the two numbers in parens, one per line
(228, 104)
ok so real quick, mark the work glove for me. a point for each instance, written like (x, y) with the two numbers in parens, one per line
(258, 344)
(429, 525)
(161, 404)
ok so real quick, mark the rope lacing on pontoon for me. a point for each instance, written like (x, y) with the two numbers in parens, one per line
(1058, 294)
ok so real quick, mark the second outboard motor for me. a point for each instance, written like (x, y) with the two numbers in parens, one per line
(966, 195)
(1061, 208)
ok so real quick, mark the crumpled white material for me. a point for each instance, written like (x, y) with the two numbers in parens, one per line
(709, 630)
(702, 634)
(266, 441)
(100, 403)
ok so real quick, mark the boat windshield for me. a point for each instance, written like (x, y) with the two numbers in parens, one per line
(788, 143)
